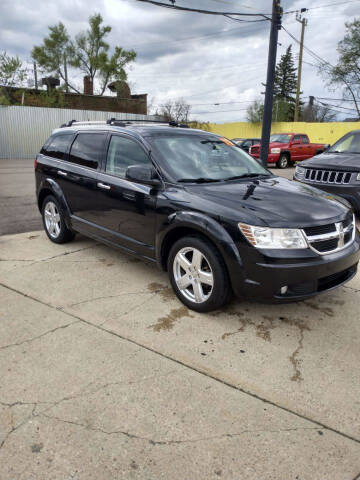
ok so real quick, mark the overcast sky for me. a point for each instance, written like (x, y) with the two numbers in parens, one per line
(201, 58)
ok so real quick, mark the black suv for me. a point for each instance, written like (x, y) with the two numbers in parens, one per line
(198, 206)
(337, 170)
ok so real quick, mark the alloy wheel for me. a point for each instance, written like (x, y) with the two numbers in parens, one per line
(193, 275)
(52, 219)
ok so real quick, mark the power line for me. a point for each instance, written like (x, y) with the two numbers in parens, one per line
(219, 111)
(208, 12)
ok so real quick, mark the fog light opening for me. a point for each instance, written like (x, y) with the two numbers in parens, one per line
(283, 290)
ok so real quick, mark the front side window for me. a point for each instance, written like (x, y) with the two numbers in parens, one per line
(87, 149)
(347, 144)
(122, 153)
(58, 146)
(202, 158)
(280, 138)
(297, 138)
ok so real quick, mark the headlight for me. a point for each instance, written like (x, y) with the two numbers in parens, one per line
(275, 150)
(300, 171)
(264, 237)
(358, 177)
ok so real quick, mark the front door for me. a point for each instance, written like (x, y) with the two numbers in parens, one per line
(126, 209)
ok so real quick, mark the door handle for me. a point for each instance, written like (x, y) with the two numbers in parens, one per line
(64, 174)
(102, 185)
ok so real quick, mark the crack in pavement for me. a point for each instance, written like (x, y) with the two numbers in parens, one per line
(82, 393)
(29, 340)
(206, 373)
(172, 442)
(34, 262)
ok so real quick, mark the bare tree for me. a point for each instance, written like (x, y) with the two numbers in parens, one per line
(317, 113)
(176, 111)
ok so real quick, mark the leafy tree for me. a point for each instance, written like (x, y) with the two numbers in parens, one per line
(285, 85)
(12, 74)
(89, 53)
(12, 71)
(347, 70)
(255, 111)
(176, 111)
(53, 54)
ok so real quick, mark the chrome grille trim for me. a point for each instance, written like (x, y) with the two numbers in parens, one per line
(340, 233)
(338, 177)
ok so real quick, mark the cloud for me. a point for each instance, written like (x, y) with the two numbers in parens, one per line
(204, 59)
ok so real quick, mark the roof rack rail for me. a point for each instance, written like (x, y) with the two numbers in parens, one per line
(123, 122)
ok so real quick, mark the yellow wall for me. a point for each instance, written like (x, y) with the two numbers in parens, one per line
(317, 132)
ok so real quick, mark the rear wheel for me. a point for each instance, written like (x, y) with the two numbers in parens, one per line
(54, 222)
(198, 274)
(283, 161)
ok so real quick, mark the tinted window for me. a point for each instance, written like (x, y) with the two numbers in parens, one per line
(87, 149)
(58, 146)
(304, 139)
(349, 143)
(122, 153)
(247, 143)
(297, 138)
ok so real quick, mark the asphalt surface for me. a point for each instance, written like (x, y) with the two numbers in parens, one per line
(18, 210)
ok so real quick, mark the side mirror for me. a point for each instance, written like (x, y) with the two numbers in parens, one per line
(142, 174)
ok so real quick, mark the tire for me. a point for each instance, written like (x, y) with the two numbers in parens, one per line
(54, 222)
(208, 265)
(283, 161)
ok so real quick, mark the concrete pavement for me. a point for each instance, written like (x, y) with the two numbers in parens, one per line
(105, 375)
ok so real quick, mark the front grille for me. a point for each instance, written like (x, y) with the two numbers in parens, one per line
(331, 237)
(327, 176)
(320, 230)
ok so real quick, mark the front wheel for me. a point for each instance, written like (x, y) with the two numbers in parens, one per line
(198, 274)
(283, 161)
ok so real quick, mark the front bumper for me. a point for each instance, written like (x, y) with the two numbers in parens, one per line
(350, 192)
(304, 277)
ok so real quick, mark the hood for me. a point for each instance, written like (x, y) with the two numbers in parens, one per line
(273, 201)
(342, 161)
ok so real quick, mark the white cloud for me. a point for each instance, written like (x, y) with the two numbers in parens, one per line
(204, 59)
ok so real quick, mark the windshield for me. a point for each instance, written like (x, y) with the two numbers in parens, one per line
(203, 158)
(280, 137)
(348, 144)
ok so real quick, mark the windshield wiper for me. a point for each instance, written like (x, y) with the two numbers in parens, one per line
(247, 175)
(198, 180)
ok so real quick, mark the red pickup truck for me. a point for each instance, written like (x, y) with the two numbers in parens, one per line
(287, 148)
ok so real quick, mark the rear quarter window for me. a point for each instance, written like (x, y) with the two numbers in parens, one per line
(87, 149)
(58, 146)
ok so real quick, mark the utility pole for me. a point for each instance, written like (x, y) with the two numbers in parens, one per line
(66, 74)
(269, 92)
(303, 22)
(35, 76)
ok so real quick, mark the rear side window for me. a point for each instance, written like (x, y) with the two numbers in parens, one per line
(122, 153)
(304, 139)
(87, 149)
(58, 146)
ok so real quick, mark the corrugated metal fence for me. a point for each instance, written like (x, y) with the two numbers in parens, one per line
(23, 130)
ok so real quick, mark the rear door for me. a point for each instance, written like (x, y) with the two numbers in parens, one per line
(77, 177)
(307, 148)
(126, 208)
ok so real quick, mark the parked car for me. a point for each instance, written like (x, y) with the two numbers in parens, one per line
(246, 143)
(198, 207)
(337, 170)
(287, 148)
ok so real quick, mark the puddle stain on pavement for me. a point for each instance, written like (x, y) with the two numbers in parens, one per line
(267, 324)
(168, 321)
